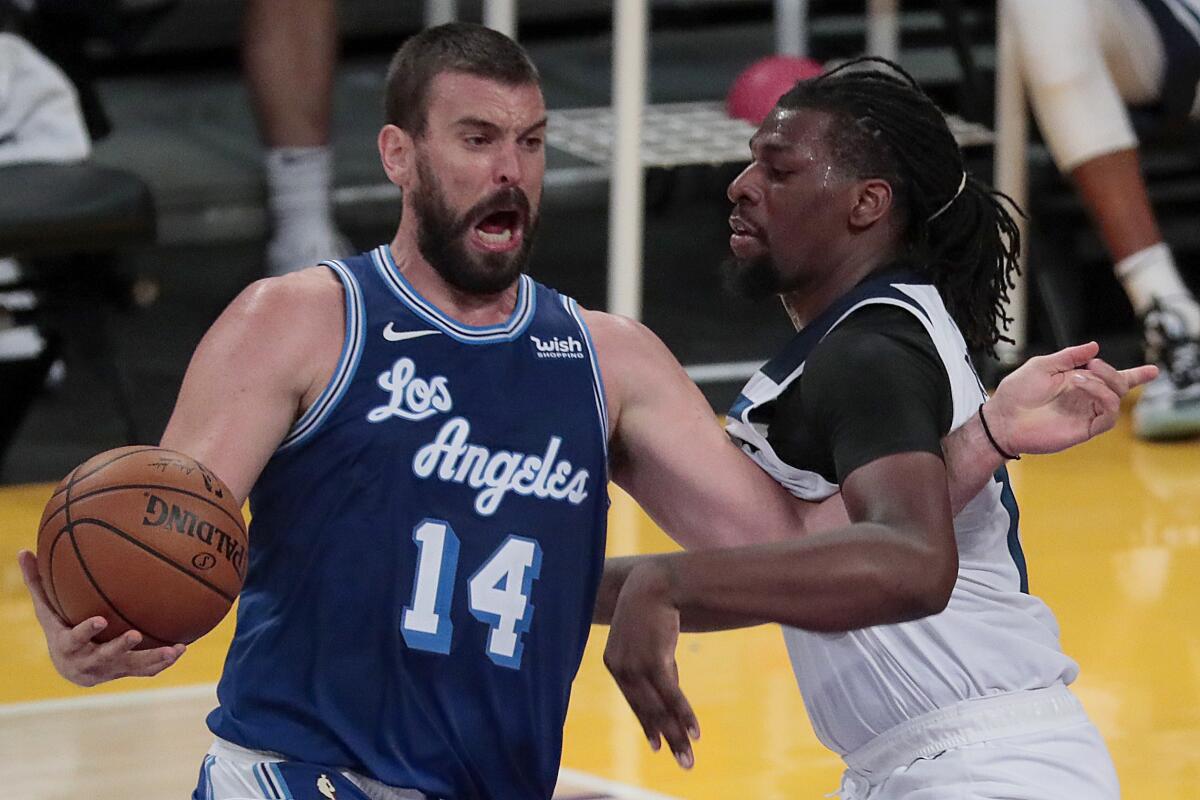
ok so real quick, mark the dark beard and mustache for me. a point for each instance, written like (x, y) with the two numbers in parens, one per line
(754, 279)
(442, 237)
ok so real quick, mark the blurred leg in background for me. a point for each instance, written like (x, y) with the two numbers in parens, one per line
(1083, 61)
(289, 51)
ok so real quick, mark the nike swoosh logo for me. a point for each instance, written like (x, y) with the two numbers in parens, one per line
(393, 335)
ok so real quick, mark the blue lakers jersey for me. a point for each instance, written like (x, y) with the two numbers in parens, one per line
(425, 549)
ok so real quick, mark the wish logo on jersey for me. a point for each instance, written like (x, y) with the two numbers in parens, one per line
(558, 347)
(412, 398)
(452, 458)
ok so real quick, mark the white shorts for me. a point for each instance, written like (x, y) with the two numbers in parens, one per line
(1035, 745)
(231, 772)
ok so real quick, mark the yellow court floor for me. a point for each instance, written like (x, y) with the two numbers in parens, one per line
(1111, 532)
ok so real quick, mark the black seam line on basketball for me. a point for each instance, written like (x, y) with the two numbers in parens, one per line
(52, 595)
(71, 481)
(241, 523)
(113, 606)
(132, 540)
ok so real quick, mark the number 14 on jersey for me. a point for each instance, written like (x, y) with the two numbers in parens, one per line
(497, 594)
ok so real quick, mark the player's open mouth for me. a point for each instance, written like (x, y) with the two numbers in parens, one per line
(746, 241)
(499, 231)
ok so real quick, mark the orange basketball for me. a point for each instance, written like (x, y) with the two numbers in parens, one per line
(146, 538)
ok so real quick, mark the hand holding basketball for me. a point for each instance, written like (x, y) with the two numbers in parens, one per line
(76, 655)
(138, 547)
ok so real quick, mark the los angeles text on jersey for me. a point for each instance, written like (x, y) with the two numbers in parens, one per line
(451, 457)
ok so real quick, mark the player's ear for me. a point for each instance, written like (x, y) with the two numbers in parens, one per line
(396, 153)
(871, 203)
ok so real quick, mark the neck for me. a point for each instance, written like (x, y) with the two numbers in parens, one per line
(808, 301)
(478, 310)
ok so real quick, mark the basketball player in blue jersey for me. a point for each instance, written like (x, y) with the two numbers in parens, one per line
(426, 436)
(921, 656)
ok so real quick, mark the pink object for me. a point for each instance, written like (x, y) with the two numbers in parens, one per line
(755, 91)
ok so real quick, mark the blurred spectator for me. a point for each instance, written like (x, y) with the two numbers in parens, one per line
(289, 51)
(1084, 61)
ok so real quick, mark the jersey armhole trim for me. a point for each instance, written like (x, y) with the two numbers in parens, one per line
(597, 379)
(352, 347)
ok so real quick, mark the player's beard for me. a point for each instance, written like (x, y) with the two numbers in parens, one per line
(753, 278)
(442, 236)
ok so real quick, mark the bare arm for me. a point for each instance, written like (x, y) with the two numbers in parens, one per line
(265, 360)
(249, 378)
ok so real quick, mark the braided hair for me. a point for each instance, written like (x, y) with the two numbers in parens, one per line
(957, 230)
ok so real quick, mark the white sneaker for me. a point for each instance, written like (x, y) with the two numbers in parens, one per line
(1169, 407)
(291, 250)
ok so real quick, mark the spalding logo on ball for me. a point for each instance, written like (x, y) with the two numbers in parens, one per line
(147, 538)
(759, 86)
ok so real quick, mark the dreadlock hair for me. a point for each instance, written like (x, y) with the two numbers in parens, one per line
(957, 230)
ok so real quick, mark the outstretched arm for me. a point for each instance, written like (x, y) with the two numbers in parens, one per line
(676, 462)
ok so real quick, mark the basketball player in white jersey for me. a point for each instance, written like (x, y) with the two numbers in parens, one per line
(921, 656)
(465, 143)
(1084, 61)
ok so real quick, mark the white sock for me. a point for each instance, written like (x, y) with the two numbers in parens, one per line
(1150, 275)
(298, 184)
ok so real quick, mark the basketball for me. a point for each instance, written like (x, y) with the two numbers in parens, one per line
(147, 538)
(759, 86)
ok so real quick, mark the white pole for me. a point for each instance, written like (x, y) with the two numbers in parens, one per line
(791, 27)
(883, 29)
(626, 184)
(501, 15)
(1012, 166)
(439, 12)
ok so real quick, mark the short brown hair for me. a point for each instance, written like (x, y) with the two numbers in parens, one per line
(456, 47)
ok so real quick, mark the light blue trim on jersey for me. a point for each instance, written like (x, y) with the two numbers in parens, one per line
(265, 784)
(352, 348)
(286, 793)
(206, 772)
(467, 334)
(597, 379)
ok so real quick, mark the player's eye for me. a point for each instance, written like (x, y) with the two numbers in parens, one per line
(776, 174)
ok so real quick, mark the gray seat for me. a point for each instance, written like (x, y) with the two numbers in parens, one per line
(56, 209)
(64, 222)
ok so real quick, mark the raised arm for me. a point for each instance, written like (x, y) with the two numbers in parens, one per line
(260, 363)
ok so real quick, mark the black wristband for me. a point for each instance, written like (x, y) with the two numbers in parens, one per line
(992, 439)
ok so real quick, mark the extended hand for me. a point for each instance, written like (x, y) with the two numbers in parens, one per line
(641, 657)
(1060, 400)
(72, 651)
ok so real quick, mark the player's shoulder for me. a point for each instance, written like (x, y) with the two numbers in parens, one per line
(633, 361)
(874, 340)
(311, 289)
(308, 296)
(290, 316)
(620, 339)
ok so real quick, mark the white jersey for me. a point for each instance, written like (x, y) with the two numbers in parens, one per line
(993, 637)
